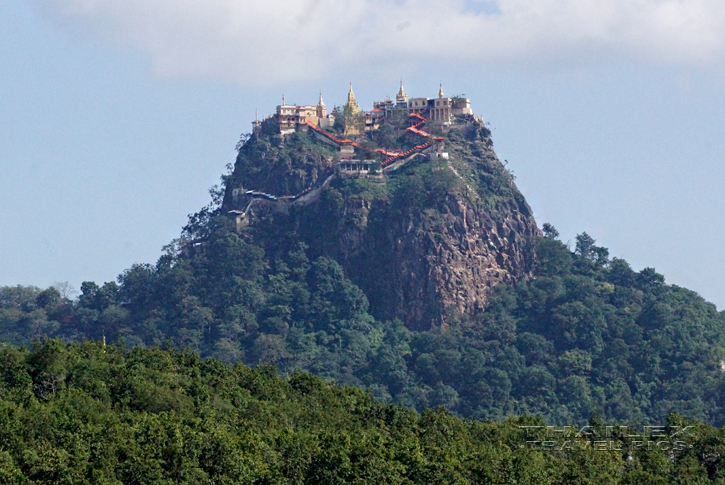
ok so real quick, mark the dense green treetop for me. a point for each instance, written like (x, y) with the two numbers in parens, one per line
(88, 413)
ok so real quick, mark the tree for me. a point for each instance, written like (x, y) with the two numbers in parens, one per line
(384, 136)
(67, 291)
(243, 138)
(587, 251)
(48, 298)
(621, 273)
(549, 231)
(585, 246)
(651, 278)
(341, 122)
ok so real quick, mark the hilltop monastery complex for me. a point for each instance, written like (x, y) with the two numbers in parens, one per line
(441, 110)
(352, 159)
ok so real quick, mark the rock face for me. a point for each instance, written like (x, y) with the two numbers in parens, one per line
(428, 245)
(439, 271)
(429, 269)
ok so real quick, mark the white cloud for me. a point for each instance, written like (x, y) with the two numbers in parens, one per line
(263, 41)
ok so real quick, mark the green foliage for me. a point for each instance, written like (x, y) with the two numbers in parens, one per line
(585, 335)
(161, 416)
(384, 137)
(582, 337)
(281, 165)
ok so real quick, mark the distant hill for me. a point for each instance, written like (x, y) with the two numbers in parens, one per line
(408, 264)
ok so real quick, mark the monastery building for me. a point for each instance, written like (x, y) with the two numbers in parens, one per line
(440, 110)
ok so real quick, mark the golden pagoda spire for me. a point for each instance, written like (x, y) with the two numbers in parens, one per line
(401, 97)
(321, 108)
(440, 91)
(354, 108)
(283, 103)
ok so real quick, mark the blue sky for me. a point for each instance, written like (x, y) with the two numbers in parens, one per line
(116, 117)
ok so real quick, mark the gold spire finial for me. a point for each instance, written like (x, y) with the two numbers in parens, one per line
(283, 103)
(440, 91)
(321, 103)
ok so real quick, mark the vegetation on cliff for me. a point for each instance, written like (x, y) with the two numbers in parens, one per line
(88, 413)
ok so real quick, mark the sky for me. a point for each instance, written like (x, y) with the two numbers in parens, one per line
(117, 116)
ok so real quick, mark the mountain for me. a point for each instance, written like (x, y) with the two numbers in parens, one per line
(425, 238)
(404, 261)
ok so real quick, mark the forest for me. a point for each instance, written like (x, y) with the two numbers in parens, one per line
(105, 414)
(586, 335)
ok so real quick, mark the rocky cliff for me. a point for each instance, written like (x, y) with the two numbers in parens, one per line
(426, 241)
